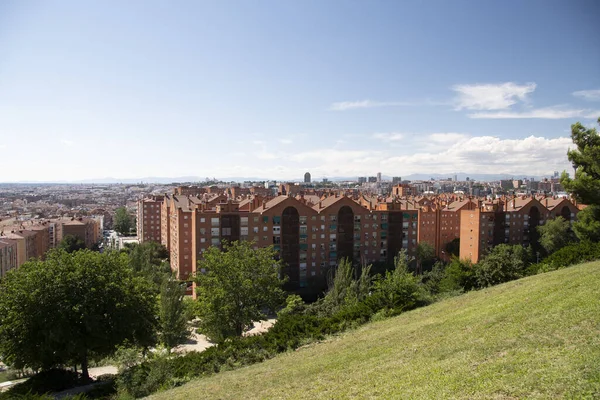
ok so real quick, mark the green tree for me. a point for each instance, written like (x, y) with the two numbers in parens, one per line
(555, 234)
(347, 286)
(424, 255)
(459, 275)
(172, 312)
(123, 221)
(150, 260)
(73, 308)
(585, 186)
(453, 247)
(502, 264)
(240, 285)
(399, 290)
(587, 226)
(71, 243)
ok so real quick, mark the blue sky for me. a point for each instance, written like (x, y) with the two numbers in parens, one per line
(272, 89)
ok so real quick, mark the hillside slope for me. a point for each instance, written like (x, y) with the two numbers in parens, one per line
(537, 337)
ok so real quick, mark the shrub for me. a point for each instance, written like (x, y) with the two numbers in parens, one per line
(50, 381)
(458, 276)
(569, 255)
(504, 263)
(294, 305)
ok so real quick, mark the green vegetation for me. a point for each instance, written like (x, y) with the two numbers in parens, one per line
(555, 234)
(238, 286)
(532, 338)
(172, 314)
(72, 308)
(123, 221)
(502, 264)
(585, 186)
(71, 244)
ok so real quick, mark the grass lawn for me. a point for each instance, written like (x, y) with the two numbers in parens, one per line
(535, 338)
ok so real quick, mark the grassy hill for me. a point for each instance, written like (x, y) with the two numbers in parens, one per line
(534, 338)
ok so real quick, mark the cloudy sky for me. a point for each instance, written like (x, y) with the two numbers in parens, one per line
(131, 89)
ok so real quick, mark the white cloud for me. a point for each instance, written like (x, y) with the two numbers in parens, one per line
(545, 113)
(532, 155)
(491, 96)
(285, 141)
(67, 142)
(389, 136)
(350, 105)
(588, 94)
(446, 138)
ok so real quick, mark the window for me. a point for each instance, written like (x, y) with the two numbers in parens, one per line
(214, 221)
(255, 219)
(276, 230)
(264, 228)
(185, 217)
(203, 231)
(215, 241)
(214, 231)
(255, 229)
(185, 225)
(226, 231)
(277, 220)
(244, 231)
(244, 221)
(302, 220)
(276, 239)
(202, 240)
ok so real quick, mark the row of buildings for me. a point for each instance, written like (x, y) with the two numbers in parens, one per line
(24, 240)
(312, 229)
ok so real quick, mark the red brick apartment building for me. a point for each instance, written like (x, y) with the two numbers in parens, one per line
(8, 255)
(149, 223)
(313, 230)
(508, 220)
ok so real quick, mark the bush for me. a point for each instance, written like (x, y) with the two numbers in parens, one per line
(50, 381)
(293, 305)
(458, 276)
(504, 263)
(568, 255)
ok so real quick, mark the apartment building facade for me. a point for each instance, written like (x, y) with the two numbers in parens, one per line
(8, 255)
(149, 220)
(508, 220)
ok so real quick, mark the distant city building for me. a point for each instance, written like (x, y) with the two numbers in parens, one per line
(307, 177)
(362, 179)
(396, 179)
(372, 179)
(149, 218)
(379, 177)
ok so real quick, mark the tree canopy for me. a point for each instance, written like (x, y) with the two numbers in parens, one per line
(173, 322)
(123, 221)
(72, 308)
(585, 186)
(502, 264)
(71, 243)
(235, 287)
(555, 234)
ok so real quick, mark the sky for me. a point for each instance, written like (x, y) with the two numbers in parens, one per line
(272, 89)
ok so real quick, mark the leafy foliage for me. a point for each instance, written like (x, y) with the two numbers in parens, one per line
(71, 308)
(453, 247)
(459, 275)
(150, 260)
(52, 380)
(585, 186)
(71, 243)
(587, 226)
(398, 290)
(502, 264)
(123, 221)
(574, 253)
(586, 160)
(172, 314)
(425, 255)
(240, 286)
(555, 234)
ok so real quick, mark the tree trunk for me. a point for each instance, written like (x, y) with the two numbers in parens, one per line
(84, 367)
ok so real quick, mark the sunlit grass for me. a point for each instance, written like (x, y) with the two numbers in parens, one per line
(534, 338)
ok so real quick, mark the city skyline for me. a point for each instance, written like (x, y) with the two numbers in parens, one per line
(136, 90)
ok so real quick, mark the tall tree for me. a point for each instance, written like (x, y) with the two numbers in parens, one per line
(239, 286)
(122, 222)
(502, 264)
(73, 308)
(555, 234)
(425, 254)
(150, 260)
(585, 186)
(173, 323)
(71, 243)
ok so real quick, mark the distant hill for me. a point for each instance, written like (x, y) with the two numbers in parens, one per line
(532, 338)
